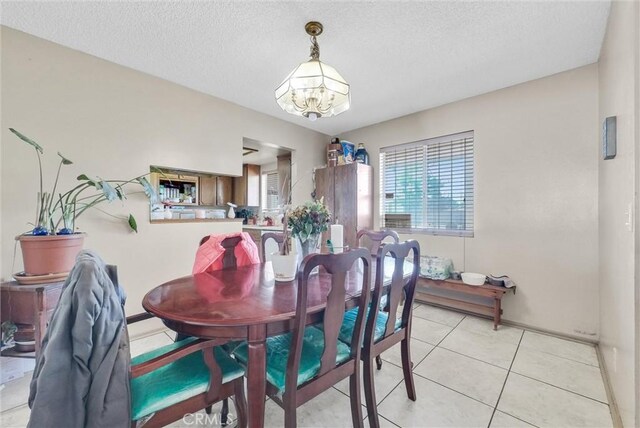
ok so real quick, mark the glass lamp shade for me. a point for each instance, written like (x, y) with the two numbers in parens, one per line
(314, 89)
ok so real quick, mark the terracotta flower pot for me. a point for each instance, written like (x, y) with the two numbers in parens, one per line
(43, 255)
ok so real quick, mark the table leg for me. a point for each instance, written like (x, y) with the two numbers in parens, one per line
(256, 375)
(496, 314)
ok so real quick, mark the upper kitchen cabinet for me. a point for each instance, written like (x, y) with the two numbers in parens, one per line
(246, 189)
(348, 194)
(208, 191)
(176, 188)
(224, 190)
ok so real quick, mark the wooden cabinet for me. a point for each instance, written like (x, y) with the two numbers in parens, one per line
(216, 190)
(246, 189)
(208, 192)
(224, 190)
(348, 194)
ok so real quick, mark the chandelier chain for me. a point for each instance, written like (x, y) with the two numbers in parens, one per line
(315, 49)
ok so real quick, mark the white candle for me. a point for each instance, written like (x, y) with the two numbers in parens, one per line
(337, 237)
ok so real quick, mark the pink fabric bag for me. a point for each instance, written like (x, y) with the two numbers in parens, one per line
(209, 255)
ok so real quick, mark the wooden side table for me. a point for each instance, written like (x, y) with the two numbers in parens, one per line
(29, 304)
(483, 299)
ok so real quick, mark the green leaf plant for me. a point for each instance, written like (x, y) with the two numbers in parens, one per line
(57, 214)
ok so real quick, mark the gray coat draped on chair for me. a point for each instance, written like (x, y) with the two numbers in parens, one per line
(81, 378)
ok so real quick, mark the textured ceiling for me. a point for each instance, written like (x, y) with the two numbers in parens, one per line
(399, 57)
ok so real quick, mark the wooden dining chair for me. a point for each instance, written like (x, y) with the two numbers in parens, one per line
(276, 236)
(373, 240)
(229, 245)
(183, 377)
(176, 379)
(309, 360)
(384, 329)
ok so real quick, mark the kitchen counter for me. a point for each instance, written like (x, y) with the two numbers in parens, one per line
(265, 228)
(198, 220)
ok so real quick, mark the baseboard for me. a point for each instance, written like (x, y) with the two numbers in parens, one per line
(613, 405)
(566, 336)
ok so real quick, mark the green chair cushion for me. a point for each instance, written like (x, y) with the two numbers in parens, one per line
(349, 322)
(278, 353)
(176, 381)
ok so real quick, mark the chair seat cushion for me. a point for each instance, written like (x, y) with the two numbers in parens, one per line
(176, 381)
(278, 354)
(349, 322)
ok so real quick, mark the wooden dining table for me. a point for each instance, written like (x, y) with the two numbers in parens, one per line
(244, 303)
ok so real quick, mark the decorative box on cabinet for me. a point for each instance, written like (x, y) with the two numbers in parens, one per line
(348, 194)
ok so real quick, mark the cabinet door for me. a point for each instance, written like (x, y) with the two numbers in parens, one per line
(208, 191)
(224, 190)
(346, 200)
(252, 174)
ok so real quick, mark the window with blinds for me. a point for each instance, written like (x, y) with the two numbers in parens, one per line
(272, 201)
(427, 186)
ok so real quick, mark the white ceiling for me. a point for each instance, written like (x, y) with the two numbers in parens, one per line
(399, 57)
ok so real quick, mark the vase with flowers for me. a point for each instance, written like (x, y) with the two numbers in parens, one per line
(307, 222)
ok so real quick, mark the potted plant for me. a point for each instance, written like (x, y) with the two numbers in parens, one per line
(305, 223)
(52, 245)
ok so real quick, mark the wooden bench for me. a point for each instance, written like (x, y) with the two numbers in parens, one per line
(477, 299)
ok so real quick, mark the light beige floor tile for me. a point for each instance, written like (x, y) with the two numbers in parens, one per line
(470, 377)
(385, 380)
(485, 327)
(436, 406)
(149, 343)
(547, 406)
(15, 418)
(383, 423)
(580, 352)
(15, 393)
(428, 331)
(438, 315)
(490, 349)
(419, 350)
(502, 420)
(580, 378)
(329, 409)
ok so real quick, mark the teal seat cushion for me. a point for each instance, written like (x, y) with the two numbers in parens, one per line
(176, 381)
(349, 323)
(278, 353)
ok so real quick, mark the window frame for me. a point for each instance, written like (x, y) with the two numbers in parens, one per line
(468, 183)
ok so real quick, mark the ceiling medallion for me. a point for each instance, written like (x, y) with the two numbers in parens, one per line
(314, 89)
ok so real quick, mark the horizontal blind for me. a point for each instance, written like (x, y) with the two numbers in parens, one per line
(272, 191)
(428, 185)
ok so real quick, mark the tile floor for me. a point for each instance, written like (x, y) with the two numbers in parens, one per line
(466, 375)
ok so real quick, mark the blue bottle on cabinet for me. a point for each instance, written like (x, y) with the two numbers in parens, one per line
(361, 155)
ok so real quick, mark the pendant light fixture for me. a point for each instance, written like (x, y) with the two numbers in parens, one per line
(314, 89)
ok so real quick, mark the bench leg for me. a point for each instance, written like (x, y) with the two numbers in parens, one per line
(496, 314)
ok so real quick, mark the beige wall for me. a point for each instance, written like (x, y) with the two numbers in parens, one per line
(536, 151)
(114, 122)
(618, 78)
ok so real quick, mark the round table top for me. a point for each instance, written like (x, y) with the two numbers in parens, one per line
(242, 296)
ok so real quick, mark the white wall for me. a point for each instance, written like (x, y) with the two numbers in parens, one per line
(536, 151)
(114, 122)
(619, 80)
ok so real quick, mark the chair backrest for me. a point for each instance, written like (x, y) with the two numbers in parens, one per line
(394, 255)
(229, 244)
(375, 239)
(336, 265)
(276, 236)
